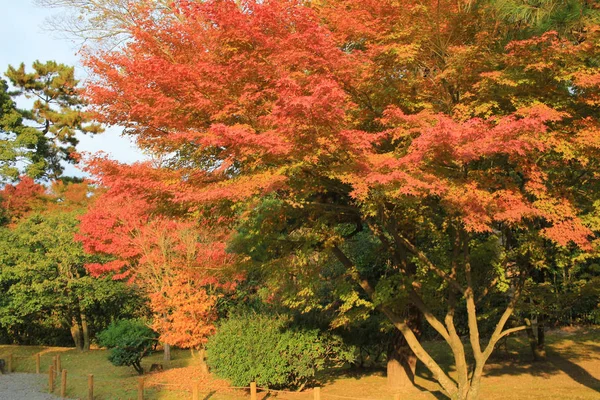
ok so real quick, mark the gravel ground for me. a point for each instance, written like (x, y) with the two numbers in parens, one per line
(17, 386)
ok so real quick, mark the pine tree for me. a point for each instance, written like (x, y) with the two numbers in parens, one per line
(44, 136)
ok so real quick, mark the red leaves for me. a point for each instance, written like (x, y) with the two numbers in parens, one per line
(437, 163)
(156, 245)
(245, 99)
(20, 199)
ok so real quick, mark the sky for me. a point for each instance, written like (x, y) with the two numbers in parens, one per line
(23, 39)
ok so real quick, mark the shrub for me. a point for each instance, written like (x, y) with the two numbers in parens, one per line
(129, 340)
(270, 352)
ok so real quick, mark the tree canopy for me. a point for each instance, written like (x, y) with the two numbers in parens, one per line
(35, 142)
(457, 140)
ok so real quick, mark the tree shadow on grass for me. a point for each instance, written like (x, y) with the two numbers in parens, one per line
(332, 375)
(561, 357)
(435, 393)
(563, 353)
(575, 372)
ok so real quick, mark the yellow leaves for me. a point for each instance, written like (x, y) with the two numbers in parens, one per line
(499, 78)
(403, 53)
(353, 308)
(464, 112)
(305, 300)
(540, 66)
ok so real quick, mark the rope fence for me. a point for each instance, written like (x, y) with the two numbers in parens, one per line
(57, 375)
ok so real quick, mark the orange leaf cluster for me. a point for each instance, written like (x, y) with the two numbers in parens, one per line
(246, 98)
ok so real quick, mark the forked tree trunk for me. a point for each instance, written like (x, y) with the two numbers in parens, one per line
(467, 386)
(137, 365)
(537, 344)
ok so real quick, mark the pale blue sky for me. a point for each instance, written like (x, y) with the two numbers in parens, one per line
(23, 39)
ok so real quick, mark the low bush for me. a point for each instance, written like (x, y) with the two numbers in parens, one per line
(271, 352)
(129, 340)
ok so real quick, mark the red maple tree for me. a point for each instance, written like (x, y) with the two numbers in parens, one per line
(396, 111)
(177, 262)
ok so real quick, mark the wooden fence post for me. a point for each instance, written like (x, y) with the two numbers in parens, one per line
(90, 387)
(141, 389)
(54, 366)
(63, 384)
(317, 393)
(10, 363)
(51, 379)
(252, 390)
(58, 366)
(37, 363)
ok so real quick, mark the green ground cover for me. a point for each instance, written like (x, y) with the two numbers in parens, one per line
(572, 371)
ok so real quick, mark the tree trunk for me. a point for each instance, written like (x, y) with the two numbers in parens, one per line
(137, 365)
(401, 360)
(475, 384)
(202, 357)
(86, 333)
(76, 334)
(538, 350)
(166, 352)
(401, 363)
(541, 341)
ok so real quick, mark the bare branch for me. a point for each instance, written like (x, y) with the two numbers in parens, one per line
(512, 330)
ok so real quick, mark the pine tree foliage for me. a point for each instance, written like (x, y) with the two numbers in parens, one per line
(47, 135)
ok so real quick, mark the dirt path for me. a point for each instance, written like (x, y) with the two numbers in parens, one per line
(23, 386)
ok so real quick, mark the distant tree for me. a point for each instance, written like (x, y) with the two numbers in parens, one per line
(19, 200)
(104, 22)
(44, 136)
(43, 275)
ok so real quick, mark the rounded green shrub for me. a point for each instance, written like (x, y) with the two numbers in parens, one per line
(267, 350)
(129, 340)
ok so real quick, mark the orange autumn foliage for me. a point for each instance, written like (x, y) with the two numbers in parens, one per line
(256, 95)
(176, 262)
(17, 201)
(382, 115)
(188, 313)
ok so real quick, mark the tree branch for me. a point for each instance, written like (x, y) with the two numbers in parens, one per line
(346, 262)
(425, 260)
(432, 319)
(512, 330)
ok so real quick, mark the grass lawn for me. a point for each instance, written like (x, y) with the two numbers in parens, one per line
(572, 371)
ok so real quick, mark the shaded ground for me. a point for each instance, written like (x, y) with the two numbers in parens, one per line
(18, 386)
(572, 372)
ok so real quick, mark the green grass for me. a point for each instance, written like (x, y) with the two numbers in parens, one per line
(572, 371)
(110, 382)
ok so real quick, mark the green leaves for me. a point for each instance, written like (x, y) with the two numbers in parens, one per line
(267, 350)
(129, 340)
(13, 134)
(42, 273)
(45, 135)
